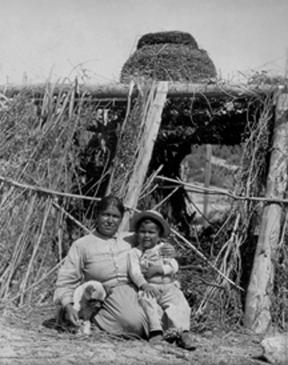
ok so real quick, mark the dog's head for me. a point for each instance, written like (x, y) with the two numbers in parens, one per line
(95, 291)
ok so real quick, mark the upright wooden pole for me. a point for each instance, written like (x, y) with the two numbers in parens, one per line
(207, 180)
(152, 121)
(258, 299)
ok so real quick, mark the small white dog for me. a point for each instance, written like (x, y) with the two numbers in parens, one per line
(88, 299)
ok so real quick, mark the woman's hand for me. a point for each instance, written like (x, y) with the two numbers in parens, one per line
(153, 269)
(150, 290)
(167, 250)
(72, 315)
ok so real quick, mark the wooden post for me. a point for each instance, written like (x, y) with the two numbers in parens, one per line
(207, 180)
(151, 122)
(258, 299)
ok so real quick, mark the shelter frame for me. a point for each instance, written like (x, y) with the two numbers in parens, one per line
(257, 301)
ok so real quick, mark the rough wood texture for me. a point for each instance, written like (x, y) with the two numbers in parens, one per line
(151, 122)
(207, 180)
(117, 90)
(258, 300)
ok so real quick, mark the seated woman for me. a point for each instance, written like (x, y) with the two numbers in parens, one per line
(103, 256)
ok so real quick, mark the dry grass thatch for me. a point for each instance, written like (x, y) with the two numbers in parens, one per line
(168, 61)
(172, 37)
(42, 145)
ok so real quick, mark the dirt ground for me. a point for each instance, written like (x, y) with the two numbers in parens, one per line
(24, 340)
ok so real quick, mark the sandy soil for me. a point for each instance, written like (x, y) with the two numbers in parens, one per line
(24, 340)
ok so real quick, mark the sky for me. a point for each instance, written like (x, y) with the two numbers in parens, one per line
(92, 39)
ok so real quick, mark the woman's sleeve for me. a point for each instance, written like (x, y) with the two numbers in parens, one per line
(167, 252)
(134, 269)
(69, 276)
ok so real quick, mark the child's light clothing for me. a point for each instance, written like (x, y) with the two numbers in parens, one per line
(171, 300)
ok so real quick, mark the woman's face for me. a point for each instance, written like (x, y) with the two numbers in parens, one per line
(108, 221)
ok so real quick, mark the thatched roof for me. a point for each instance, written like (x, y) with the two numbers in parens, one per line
(171, 56)
(172, 37)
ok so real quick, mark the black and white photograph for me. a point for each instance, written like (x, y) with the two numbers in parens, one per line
(143, 182)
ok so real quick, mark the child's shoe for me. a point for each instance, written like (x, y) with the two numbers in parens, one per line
(156, 337)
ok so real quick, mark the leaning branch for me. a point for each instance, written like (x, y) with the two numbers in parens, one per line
(199, 189)
(189, 187)
(38, 189)
(204, 258)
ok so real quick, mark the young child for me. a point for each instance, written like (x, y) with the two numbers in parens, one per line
(155, 276)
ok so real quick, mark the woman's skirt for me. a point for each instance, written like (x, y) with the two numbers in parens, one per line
(122, 314)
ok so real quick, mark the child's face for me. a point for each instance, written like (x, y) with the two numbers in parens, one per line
(148, 234)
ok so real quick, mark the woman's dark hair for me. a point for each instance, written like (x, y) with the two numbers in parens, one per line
(108, 201)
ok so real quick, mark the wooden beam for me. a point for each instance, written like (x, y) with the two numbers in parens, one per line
(258, 299)
(121, 91)
(151, 122)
